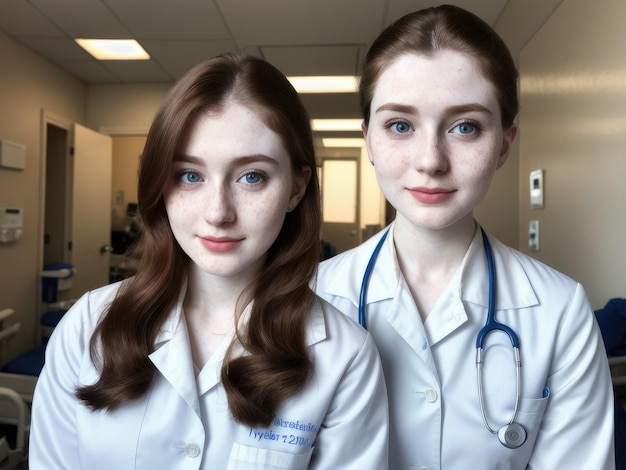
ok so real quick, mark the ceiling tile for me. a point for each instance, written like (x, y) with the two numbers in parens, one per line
(20, 18)
(182, 19)
(89, 71)
(55, 48)
(313, 60)
(82, 18)
(302, 22)
(137, 71)
(168, 53)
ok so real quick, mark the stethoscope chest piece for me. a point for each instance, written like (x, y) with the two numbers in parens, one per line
(512, 435)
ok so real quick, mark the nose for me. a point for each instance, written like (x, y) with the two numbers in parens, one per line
(430, 153)
(220, 207)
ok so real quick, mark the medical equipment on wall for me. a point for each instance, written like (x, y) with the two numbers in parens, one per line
(512, 434)
(11, 220)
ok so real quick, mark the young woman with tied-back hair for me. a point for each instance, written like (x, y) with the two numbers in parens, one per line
(439, 99)
(216, 353)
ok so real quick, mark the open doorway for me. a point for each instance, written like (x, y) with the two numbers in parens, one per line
(56, 244)
(76, 197)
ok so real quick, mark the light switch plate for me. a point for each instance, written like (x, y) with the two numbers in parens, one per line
(536, 189)
(533, 235)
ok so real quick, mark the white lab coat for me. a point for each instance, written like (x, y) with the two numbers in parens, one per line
(435, 419)
(340, 419)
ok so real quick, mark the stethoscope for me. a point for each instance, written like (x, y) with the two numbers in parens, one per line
(512, 434)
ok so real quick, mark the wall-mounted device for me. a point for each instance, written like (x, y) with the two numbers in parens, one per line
(10, 224)
(12, 155)
(536, 189)
(533, 235)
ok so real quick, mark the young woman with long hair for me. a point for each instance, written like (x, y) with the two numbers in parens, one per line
(216, 353)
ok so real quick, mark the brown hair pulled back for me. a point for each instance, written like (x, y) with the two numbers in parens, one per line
(278, 364)
(444, 27)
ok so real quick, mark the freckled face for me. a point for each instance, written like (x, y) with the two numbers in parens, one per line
(229, 191)
(435, 137)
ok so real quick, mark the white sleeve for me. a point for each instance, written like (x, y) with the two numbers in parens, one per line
(577, 426)
(53, 431)
(354, 434)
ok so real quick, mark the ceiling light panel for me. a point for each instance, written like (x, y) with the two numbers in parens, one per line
(113, 49)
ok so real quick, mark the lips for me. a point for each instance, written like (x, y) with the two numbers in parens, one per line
(220, 244)
(431, 195)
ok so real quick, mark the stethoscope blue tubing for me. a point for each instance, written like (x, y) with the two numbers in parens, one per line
(491, 324)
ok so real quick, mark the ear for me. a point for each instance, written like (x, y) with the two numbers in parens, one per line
(298, 188)
(508, 137)
(367, 145)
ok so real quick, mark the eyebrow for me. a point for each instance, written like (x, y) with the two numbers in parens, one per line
(401, 108)
(242, 160)
(458, 109)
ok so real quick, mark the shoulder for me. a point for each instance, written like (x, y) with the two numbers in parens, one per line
(536, 270)
(354, 257)
(335, 330)
(523, 281)
(346, 269)
(91, 305)
(75, 329)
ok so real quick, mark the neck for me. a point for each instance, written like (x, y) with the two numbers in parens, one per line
(211, 308)
(429, 258)
(214, 294)
(428, 250)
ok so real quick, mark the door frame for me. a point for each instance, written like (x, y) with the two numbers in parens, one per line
(49, 118)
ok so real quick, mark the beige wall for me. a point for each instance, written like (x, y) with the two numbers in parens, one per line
(28, 84)
(499, 211)
(124, 109)
(126, 153)
(573, 125)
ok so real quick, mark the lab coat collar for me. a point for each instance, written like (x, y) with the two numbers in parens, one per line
(513, 288)
(348, 276)
(172, 354)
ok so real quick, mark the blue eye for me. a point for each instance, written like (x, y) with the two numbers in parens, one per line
(465, 128)
(253, 177)
(190, 177)
(400, 127)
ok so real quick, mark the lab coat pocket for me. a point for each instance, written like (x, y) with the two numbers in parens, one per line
(254, 458)
(530, 415)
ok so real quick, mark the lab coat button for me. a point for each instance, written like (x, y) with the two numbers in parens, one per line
(192, 450)
(430, 395)
(423, 468)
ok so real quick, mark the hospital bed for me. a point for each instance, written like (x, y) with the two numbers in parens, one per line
(16, 395)
(55, 278)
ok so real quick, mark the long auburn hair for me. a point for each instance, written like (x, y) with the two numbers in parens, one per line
(276, 364)
(444, 27)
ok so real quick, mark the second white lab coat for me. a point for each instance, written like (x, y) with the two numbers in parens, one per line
(339, 420)
(435, 418)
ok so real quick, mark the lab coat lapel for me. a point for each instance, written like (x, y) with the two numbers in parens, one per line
(513, 289)
(210, 376)
(172, 358)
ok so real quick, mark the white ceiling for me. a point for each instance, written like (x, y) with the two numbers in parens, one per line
(300, 37)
